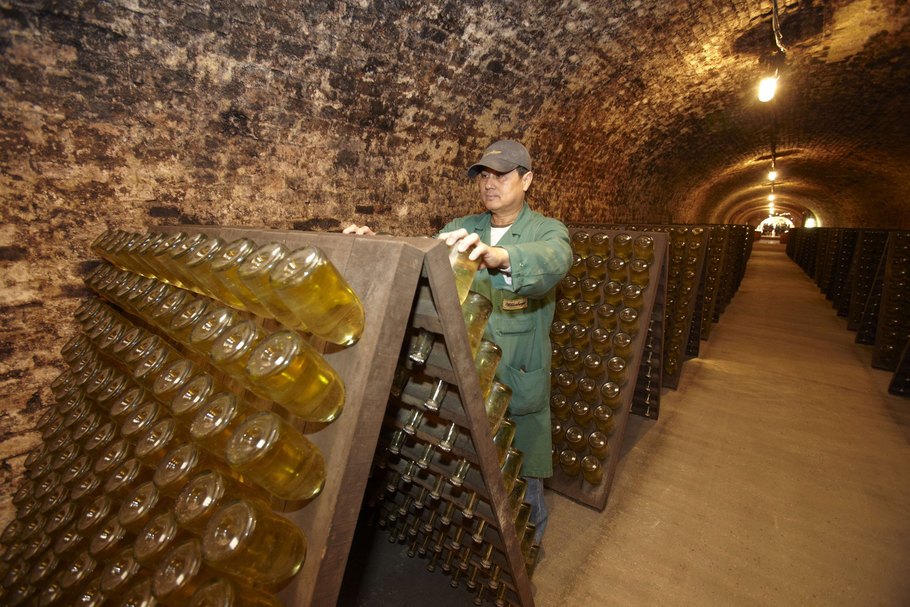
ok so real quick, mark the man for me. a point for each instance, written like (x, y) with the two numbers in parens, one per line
(523, 257)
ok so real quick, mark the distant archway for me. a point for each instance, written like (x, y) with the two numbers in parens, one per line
(775, 225)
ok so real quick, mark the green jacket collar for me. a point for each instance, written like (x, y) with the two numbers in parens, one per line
(515, 230)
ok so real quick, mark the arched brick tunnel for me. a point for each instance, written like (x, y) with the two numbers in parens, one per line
(313, 115)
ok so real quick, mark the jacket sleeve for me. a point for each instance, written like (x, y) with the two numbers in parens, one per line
(538, 265)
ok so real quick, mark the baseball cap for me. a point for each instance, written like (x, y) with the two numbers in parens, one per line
(502, 156)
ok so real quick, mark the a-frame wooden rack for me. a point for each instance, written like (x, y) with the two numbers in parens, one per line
(386, 272)
(465, 530)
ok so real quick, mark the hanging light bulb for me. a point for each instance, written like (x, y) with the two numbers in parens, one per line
(766, 88)
(771, 198)
(772, 174)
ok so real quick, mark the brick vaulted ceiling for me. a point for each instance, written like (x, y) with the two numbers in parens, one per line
(312, 113)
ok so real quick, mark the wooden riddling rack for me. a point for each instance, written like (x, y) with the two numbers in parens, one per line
(384, 272)
(576, 487)
(713, 271)
(717, 255)
(860, 262)
(685, 255)
(867, 275)
(412, 496)
(893, 330)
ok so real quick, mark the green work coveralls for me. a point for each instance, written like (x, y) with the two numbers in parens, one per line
(540, 254)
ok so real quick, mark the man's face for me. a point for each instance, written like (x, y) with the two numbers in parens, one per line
(503, 192)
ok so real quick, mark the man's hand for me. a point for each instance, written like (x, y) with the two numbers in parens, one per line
(358, 230)
(490, 257)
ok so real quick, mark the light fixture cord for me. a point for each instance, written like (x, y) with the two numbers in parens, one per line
(775, 25)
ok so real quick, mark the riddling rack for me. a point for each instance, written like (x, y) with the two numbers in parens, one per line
(408, 265)
(868, 257)
(592, 396)
(438, 479)
(893, 329)
(367, 368)
(385, 273)
(865, 273)
(705, 266)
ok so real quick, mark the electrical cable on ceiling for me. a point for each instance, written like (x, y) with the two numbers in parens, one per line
(775, 25)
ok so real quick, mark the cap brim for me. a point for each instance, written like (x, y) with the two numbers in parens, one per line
(499, 165)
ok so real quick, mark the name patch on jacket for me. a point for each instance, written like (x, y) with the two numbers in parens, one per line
(509, 305)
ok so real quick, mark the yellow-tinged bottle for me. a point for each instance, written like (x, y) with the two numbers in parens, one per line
(622, 246)
(180, 465)
(180, 573)
(157, 537)
(225, 592)
(276, 456)
(198, 265)
(318, 296)
(592, 470)
(204, 495)
(254, 285)
(465, 269)
(160, 257)
(231, 350)
(224, 268)
(185, 319)
(210, 327)
(249, 541)
(286, 369)
(485, 362)
(216, 421)
(180, 254)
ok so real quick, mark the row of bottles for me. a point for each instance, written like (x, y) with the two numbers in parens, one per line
(715, 259)
(705, 265)
(301, 289)
(687, 249)
(276, 365)
(457, 541)
(646, 399)
(119, 506)
(158, 463)
(893, 331)
(862, 271)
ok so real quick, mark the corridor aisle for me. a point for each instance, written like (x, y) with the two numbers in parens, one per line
(778, 474)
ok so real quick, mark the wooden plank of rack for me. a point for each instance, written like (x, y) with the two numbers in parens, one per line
(451, 320)
(715, 264)
(646, 397)
(436, 309)
(383, 271)
(868, 324)
(869, 249)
